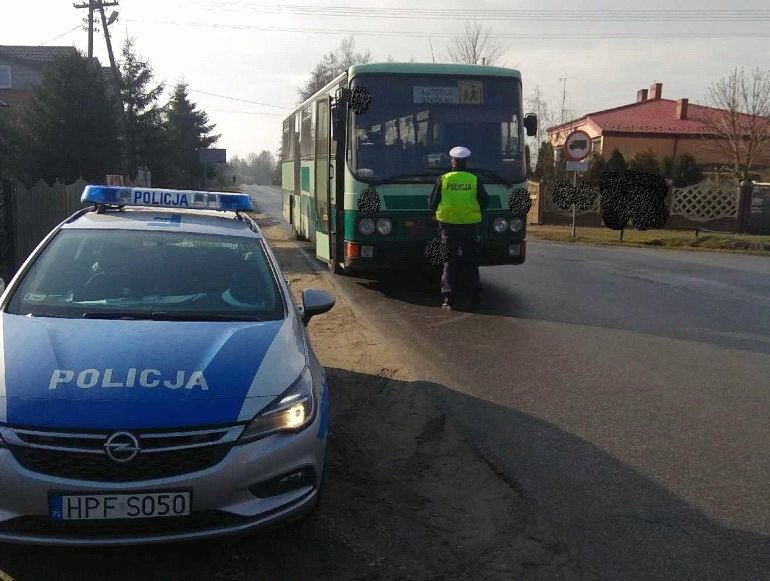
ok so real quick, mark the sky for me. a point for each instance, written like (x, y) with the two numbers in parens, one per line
(259, 52)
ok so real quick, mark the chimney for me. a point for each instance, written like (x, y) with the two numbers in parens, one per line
(656, 91)
(641, 95)
(681, 108)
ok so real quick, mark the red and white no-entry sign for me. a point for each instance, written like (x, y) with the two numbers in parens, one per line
(577, 146)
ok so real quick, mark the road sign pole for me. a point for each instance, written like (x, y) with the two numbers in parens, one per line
(574, 207)
(577, 147)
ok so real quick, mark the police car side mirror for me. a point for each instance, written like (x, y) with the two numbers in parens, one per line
(530, 124)
(315, 302)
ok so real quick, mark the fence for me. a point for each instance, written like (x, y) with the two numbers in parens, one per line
(536, 192)
(28, 214)
(710, 205)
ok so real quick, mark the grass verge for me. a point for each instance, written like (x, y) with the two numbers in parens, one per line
(678, 239)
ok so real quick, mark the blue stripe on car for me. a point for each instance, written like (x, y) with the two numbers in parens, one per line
(229, 356)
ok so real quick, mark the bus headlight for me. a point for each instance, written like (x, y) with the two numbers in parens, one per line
(366, 226)
(500, 225)
(290, 412)
(516, 224)
(384, 226)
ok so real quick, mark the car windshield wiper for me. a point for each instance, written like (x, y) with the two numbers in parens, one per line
(168, 316)
(491, 174)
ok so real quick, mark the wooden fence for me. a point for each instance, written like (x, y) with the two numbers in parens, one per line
(28, 214)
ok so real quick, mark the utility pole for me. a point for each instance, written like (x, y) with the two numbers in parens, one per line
(563, 100)
(92, 5)
(113, 65)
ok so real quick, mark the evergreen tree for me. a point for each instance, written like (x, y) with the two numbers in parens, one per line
(645, 162)
(145, 137)
(17, 158)
(681, 170)
(72, 122)
(596, 167)
(188, 130)
(616, 163)
(545, 162)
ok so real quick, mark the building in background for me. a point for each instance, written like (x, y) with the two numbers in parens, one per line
(666, 127)
(22, 68)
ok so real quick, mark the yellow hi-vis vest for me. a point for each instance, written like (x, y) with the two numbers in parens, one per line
(459, 202)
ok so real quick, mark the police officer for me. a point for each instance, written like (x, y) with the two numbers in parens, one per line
(458, 199)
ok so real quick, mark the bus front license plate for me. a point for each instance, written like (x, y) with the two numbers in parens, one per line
(119, 506)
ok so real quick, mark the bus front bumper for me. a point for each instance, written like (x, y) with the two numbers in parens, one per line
(381, 255)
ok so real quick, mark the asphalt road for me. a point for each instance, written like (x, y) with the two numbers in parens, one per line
(623, 391)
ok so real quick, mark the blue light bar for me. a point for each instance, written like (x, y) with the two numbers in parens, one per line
(160, 198)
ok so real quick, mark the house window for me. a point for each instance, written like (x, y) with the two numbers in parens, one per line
(596, 145)
(5, 76)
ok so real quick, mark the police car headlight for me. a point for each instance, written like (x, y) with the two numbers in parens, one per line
(384, 226)
(290, 412)
(516, 224)
(366, 226)
(500, 225)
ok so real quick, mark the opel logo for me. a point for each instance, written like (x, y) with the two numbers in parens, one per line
(121, 447)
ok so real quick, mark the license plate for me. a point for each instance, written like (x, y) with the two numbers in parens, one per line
(119, 506)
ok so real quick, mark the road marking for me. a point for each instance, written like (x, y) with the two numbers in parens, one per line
(5, 576)
(452, 320)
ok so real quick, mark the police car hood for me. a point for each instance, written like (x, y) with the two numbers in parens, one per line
(77, 373)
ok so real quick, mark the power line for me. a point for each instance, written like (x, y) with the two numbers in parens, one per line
(689, 15)
(62, 34)
(414, 34)
(245, 112)
(238, 99)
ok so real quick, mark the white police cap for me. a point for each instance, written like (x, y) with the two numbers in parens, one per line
(459, 152)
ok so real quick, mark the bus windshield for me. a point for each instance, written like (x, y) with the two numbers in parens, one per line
(413, 121)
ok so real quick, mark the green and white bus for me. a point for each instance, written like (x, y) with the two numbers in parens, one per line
(335, 149)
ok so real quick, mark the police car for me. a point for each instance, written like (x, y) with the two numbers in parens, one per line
(156, 380)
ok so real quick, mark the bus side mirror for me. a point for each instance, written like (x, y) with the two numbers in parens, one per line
(530, 124)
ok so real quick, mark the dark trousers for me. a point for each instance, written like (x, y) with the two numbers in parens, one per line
(462, 259)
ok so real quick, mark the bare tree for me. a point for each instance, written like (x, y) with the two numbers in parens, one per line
(739, 119)
(332, 64)
(537, 104)
(476, 46)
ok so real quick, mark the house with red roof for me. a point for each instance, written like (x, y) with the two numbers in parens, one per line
(666, 127)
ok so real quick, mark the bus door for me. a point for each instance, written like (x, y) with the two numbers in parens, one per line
(323, 177)
(295, 199)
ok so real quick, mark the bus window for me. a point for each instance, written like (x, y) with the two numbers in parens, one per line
(287, 142)
(306, 135)
(414, 121)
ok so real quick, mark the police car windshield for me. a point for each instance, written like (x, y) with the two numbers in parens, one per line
(126, 274)
(413, 122)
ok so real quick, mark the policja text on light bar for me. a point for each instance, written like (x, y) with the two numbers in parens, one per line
(162, 198)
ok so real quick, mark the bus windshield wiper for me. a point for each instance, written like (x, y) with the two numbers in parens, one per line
(404, 177)
(490, 174)
(168, 316)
